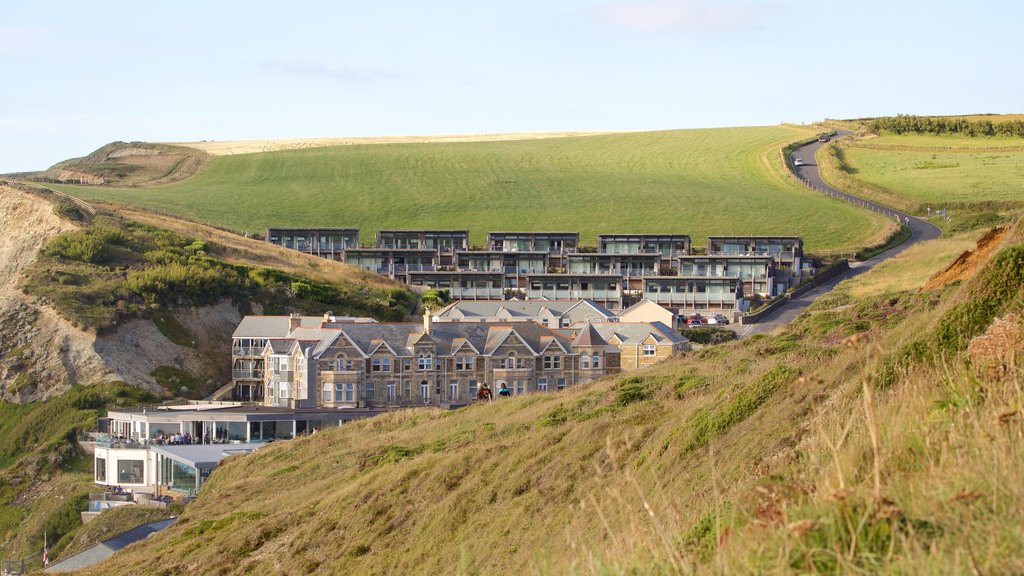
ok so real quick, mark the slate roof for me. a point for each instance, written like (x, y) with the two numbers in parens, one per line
(277, 326)
(445, 336)
(589, 336)
(517, 309)
(637, 332)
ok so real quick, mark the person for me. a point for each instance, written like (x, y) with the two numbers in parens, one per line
(484, 393)
(504, 391)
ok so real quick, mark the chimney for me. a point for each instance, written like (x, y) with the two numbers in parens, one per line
(294, 321)
(426, 321)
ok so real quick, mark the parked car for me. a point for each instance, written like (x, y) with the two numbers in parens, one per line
(718, 319)
(695, 321)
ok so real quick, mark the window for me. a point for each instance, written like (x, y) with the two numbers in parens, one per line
(596, 361)
(385, 364)
(453, 390)
(566, 322)
(553, 362)
(370, 392)
(391, 392)
(542, 384)
(425, 392)
(350, 392)
(463, 362)
(585, 361)
(472, 389)
(284, 390)
(520, 387)
(130, 472)
(342, 363)
(650, 349)
(339, 392)
(424, 362)
(327, 392)
(101, 469)
(561, 383)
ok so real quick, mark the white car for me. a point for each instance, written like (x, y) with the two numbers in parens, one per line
(718, 319)
(798, 162)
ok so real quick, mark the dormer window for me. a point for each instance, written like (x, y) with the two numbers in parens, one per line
(424, 362)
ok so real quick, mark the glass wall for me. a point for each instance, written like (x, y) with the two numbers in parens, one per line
(101, 469)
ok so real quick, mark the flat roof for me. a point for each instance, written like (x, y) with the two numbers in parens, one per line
(335, 230)
(157, 412)
(573, 234)
(204, 455)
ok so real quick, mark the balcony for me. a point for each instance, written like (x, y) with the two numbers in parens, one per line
(108, 441)
(251, 374)
(247, 351)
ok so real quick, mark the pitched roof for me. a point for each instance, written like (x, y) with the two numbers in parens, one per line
(589, 336)
(278, 326)
(636, 332)
(516, 309)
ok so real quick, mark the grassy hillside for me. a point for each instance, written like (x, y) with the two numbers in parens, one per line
(45, 475)
(858, 441)
(722, 181)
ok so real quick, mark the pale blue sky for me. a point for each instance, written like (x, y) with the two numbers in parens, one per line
(76, 75)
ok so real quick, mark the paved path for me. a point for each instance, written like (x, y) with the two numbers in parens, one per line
(921, 231)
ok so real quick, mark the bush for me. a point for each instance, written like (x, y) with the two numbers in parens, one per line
(708, 335)
(632, 390)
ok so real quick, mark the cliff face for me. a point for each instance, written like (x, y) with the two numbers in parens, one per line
(42, 354)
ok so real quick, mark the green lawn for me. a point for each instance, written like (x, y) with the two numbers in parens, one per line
(963, 176)
(698, 182)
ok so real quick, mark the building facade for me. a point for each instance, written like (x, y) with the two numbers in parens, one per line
(619, 272)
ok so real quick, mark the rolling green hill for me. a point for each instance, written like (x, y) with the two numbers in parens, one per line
(700, 182)
(979, 179)
(861, 440)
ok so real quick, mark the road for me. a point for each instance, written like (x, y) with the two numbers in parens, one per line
(921, 231)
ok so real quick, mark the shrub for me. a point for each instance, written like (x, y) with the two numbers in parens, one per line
(632, 390)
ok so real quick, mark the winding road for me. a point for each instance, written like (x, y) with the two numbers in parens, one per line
(921, 231)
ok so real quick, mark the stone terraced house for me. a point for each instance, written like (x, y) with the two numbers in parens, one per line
(434, 363)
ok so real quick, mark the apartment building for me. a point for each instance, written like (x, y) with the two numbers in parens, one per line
(617, 273)
(329, 243)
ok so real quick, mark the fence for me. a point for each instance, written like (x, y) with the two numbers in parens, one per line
(38, 190)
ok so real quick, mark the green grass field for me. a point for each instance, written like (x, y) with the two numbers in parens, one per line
(698, 182)
(964, 175)
(945, 141)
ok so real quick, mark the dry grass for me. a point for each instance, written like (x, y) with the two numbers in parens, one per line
(237, 249)
(231, 147)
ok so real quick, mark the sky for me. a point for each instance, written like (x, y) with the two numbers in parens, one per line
(77, 75)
